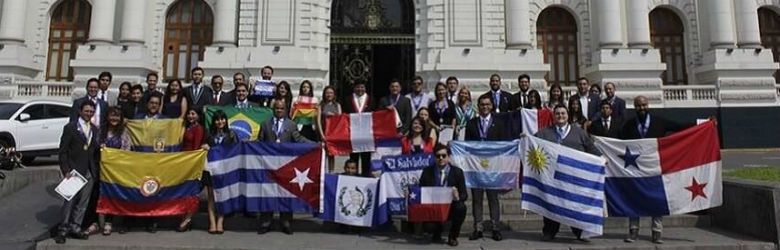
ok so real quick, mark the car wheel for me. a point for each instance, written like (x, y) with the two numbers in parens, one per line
(27, 160)
(4, 143)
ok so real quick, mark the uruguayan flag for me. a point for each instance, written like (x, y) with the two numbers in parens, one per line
(488, 164)
(563, 184)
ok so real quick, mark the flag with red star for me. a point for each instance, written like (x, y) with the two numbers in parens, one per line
(676, 174)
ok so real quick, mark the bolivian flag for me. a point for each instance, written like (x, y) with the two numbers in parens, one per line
(149, 184)
(304, 113)
(245, 122)
(156, 135)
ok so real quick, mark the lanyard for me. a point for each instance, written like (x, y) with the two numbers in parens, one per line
(395, 100)
(483, 129)
(643, 127)
(441, 108)
(278, 126)
(416, 103)
(83, 130)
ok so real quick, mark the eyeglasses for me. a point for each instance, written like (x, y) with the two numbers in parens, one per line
(441, 156)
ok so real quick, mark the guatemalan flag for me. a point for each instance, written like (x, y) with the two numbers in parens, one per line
(266, 177)
(535, 119)
(676, 174)
(350, 200)
(399, 173)
(359, 132)
(429, 204)
(563, 184)
(488, 164)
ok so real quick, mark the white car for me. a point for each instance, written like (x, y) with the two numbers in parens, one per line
(33, 127)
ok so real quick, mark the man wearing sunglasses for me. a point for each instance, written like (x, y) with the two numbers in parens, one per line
(442, 174)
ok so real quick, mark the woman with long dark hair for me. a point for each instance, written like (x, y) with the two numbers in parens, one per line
(328, 106)
(124, 95)
(425, 115)
(174, 103)
(555, 96)
(194, 139)
(283, 91)
(575, 113)
(442, 110)
(219, 134)
(416, 141)
(306, 96)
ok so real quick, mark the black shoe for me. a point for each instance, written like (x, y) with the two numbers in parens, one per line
(633, 234)
(287, 230)
(79, 235)
(185, 228)
(263, 230)
(453, 242)
(436, 239)
(59, 239)
(657, 238)
(122, 230)
(152, 227)
(548, 237)
(475, 235)
(497, 235)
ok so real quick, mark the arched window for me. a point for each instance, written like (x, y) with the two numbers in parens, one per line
(69, 28)
(666, 35)
(769, 26)
(556, 34)
(188, 30)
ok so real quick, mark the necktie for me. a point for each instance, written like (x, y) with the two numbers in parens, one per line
(103, 95)
(442, 178)
(216, 99)
(496, 99)
(195, 91)
(525, 99)
(606, 124)
(87, 130)
(95, 117)
(560, 135)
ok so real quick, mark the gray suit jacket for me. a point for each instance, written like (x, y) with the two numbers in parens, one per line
(577, 139)
(111, 96)
(289, 132)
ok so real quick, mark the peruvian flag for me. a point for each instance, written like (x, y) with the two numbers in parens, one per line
(676, 174)
(359, 132)
(429, 204)
(535, 119)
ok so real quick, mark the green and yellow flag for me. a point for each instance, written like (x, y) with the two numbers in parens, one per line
(245, 122)
(156, 135)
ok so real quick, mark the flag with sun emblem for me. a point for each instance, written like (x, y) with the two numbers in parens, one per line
(245, 122)
(563, 184)
(488, 164)
(676, 174)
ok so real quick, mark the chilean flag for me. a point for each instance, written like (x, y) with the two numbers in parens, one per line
(676, 174)
(359, 132)
(429, 204)
(535, 119)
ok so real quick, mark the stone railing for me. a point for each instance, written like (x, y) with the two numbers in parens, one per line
(40, 90)
(690, 95)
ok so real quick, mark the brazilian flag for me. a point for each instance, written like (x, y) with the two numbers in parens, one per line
(245, 122)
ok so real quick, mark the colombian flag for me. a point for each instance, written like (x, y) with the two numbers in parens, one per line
(245, 122)
(149, 184)
(304, 111)
(156, 135)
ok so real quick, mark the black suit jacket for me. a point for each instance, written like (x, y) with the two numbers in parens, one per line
(348, 105)
(76, 108)
(615, 126)
(203, 98)
(72, 154)
(225, 99)
(289, 132)
(658, 128)
(507, 101)
(454, 179)
(404, 109)
(593, 104)
(496, 132)
(619, 108)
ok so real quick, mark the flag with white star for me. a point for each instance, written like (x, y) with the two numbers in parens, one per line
(676, 174)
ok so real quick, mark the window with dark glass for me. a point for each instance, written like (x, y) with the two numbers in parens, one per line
(769, 26)
(189, 28)
(69, 27)
(556, 35)
(667, 35)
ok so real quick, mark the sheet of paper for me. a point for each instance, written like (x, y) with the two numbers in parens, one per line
(445, 135)
(69, 187)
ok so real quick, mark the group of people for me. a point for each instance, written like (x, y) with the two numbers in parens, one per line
(98, 119)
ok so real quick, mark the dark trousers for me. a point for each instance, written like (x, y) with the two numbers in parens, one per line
(364, 161)
(493, 206)
(73, 211)
(456, 217)
(552, 227)
(284, 219)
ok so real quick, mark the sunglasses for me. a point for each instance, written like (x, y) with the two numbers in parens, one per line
(441, 156)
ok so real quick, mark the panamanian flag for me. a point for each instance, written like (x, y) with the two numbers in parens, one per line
(676, 174)
(266, 177)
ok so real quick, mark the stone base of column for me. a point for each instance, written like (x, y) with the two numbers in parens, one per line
(474, 66)
(634, 72)
(16, 63)
(126, 63)
(743, 76)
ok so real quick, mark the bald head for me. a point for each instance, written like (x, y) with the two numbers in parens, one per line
(642, 106)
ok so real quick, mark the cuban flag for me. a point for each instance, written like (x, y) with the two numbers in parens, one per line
(535, 119)
(676, 174)
(350, 200)
(429, 204)
(398, 174)
(359, 132)
(488, 164)
(266, 177)
(563, 184)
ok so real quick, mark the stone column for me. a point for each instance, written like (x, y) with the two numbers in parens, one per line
(101, 28)
(608, 18)
(12, 21)
(518, 29)
(226, 15)
(133, 16)
(638, 24)
(721, 24)
(748, 34)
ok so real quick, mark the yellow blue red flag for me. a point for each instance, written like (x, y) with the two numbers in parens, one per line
(156, 135)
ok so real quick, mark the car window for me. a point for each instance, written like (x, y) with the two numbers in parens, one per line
(57, 111)
(8, 109)
(35, 111)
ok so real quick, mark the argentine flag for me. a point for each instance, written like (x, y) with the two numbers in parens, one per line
(488, 164)
(563, 184)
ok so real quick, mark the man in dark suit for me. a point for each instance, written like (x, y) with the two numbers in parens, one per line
(278, 129)
(485, 128)
(607, 124)
(219, 97)
(241, 99)
(618, 104)
(400, 103)
(589, 102)
(197, 94)
(105, 94)
(521, 97)
(574, 137)
(442, 174)
(101, 107)
(359, 102)
(78, 151)
(502, 100)
(151, 88)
